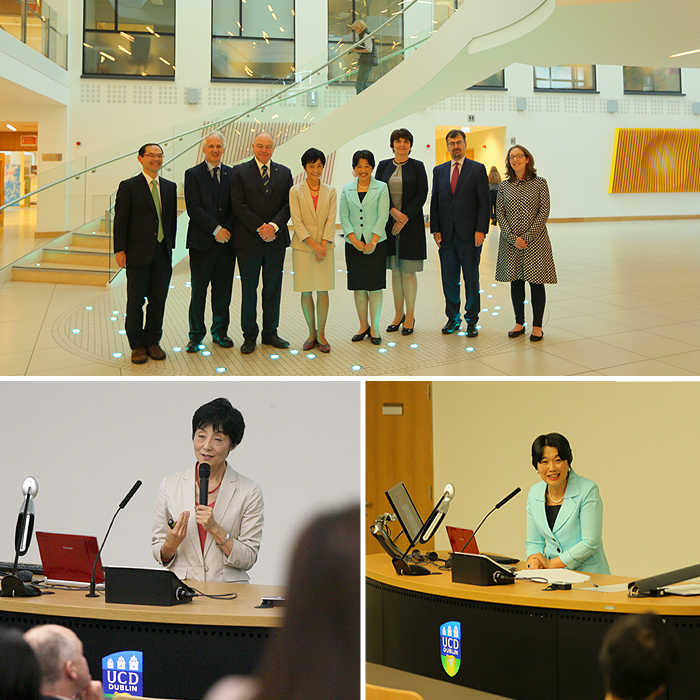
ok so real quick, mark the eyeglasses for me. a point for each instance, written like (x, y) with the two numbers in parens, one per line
(454, 143)
(517, 157)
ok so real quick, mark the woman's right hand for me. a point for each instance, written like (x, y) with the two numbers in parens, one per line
(520, 244)
(359, 245)
(174, 536)
(534, 561)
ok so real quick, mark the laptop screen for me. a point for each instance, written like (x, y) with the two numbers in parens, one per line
(69, 557)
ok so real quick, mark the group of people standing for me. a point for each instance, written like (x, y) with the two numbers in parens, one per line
(241, 213)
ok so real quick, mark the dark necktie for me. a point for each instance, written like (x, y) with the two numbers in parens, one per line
(215, 175)
(455, 177)
(266, 179)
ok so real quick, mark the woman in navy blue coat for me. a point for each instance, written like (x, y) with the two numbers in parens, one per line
(405, 229)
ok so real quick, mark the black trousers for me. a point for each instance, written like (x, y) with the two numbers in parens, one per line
(147, 282)
(216, 267)
(252, 263)
(460, 258)
(538, 298)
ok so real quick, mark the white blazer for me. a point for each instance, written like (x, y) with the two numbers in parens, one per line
(319, 223)
(238, 509)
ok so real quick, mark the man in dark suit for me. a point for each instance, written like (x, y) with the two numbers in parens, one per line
(459, 220)
(260, 200)
(64, 668)
(212, 257)
(145, 223)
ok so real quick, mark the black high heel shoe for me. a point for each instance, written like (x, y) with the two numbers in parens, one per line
(360, 336)
(393, 328)
(408, 331)
(377, 340)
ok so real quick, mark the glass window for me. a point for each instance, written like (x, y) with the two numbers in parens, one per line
(252, 40)
(638, 79)
(129, 38)
(569, 77)
(497, 80)
(388, 41)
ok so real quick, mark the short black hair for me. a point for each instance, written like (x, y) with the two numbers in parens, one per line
(551, 440)
(358, 155)
(20, 677)
(454, 133)
(397, 134)
(311, 156)
(222, 417)
(142, 150)
(637, 656)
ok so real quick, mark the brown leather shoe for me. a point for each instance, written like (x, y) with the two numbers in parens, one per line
(156, 352)
(138, 356)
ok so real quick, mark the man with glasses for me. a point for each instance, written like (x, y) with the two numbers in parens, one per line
(145, 223)
(459, 220)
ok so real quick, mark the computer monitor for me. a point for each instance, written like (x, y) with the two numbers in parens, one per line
(404, 509)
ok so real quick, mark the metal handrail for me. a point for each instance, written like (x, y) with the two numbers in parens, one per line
(226, 120)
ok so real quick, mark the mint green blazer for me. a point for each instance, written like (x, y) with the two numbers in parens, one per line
(577, 538)
(368, 217)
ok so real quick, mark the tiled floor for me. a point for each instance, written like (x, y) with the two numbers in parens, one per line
(626, 305)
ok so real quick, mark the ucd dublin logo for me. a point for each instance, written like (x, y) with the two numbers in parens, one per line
(122, 672)
(451, 646)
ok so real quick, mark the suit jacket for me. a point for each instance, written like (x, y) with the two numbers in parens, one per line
(253, 208)
(578, 531)
(238, 509)
(415, 191)
(136, 219)
(467, 210)
(367, 217)
(318, 223)
(205, 207)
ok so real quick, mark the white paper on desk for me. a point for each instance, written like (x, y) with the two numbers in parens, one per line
(611, 588)
(551, 575)
(684, 589)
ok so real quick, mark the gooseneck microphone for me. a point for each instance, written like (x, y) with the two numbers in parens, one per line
(204, 472)
(122, 505)
(25, 520)
(496, 507)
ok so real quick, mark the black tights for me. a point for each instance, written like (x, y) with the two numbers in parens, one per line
(517, 294)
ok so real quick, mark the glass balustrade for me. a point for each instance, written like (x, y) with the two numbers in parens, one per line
(39, 26)
(86, 186)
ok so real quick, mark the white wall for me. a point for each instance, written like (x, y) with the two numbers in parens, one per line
(636, 440)
(88, 442)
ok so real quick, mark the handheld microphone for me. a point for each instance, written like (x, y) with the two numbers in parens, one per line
(438, 515)
(126, 499)
(204, 472)
(502, 503)
(25, 520)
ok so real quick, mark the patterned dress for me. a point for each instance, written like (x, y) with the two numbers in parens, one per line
(522, 208)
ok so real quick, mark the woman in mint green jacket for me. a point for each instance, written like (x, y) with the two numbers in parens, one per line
(564, 512)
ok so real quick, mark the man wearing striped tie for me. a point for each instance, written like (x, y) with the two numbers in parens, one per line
(260, 201)
(145, 223)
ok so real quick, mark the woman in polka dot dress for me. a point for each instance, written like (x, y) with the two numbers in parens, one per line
(524, 250)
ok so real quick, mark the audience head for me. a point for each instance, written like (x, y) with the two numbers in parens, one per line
(213, 146)
(263, 147)
(637, 656)
(530, 170)
(551, 440)
(221, 417)
(20, 677)
(64, 668)
(359, 27)
(316, 654)
(494, 175)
